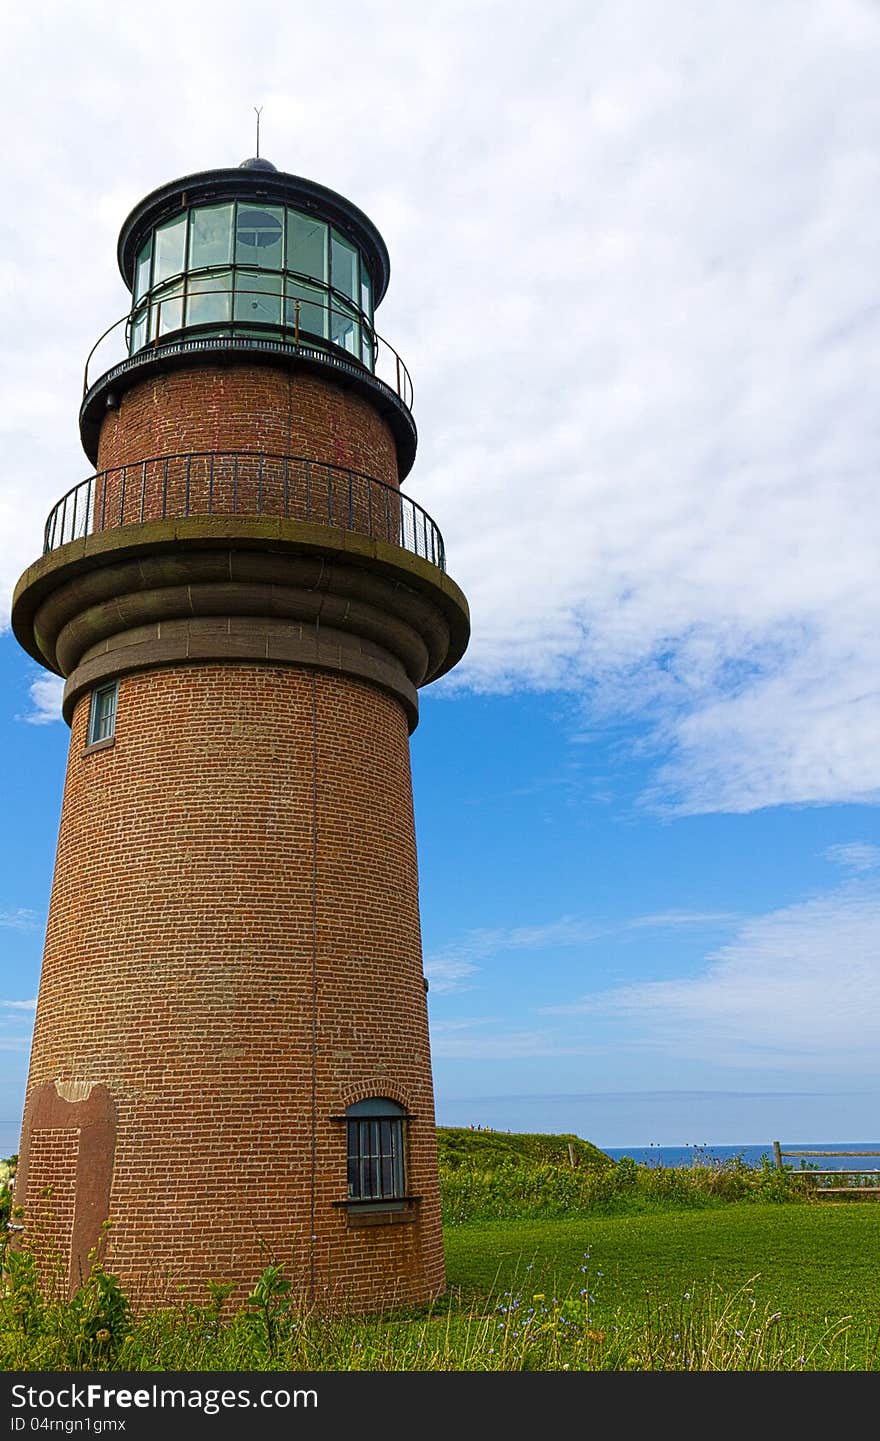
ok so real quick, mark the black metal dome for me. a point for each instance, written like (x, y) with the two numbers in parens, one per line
(257, 162)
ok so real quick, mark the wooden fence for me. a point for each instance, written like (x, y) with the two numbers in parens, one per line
(859, 1176)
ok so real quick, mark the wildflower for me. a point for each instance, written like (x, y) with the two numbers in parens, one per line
(102, 1335)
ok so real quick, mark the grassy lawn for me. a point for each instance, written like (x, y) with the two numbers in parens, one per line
(741, 1286)
(814, 1263)
(557, 1260)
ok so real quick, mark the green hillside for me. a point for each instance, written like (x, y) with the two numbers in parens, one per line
(457, 1145)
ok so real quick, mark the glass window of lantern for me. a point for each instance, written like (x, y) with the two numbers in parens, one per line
(312, 307)
(169, 240)
(366, 293)
(259, 236)
(343, 266)
(142, 270)
(368, 353)
(258, 297)
(209, 301)
(306, 245)
(138, 335)
(167, 309)
(210, 236)
(344, 329)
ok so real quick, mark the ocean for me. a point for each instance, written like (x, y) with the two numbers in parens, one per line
(751, 1155)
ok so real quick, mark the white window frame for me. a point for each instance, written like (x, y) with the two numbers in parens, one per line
(102, 722)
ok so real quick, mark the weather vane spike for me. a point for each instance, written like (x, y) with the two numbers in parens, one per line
(258, 111)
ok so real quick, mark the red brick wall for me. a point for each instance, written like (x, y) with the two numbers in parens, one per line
(248, 407)
(233, 929)
(50, 1199)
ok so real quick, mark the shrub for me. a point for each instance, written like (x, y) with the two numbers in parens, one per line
(471, 1190)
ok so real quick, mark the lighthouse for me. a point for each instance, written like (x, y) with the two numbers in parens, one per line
(231, 1059)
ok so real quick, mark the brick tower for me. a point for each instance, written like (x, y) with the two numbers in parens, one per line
(231, 1057)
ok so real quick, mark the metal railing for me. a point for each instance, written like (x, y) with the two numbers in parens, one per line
(165, 320)
(243, 483)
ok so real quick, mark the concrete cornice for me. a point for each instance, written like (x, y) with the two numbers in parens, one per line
(240, 588)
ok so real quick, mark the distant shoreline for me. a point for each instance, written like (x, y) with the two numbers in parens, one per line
(750, 1155)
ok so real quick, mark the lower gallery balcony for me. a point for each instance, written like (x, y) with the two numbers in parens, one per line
(245, 483)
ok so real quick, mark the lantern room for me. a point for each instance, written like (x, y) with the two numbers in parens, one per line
(239, 256)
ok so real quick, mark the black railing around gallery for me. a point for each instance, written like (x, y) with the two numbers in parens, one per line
(244, 483)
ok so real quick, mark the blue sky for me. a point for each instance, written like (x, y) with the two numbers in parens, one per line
(634, 278)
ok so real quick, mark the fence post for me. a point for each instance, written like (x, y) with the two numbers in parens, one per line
(778, 1154)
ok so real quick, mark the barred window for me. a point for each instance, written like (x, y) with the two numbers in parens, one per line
(375, 1150)
(102, 716)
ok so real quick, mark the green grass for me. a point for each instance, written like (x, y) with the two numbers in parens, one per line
(487, 1149)
(817, 1264)
(739, 1287)
(550, 1266)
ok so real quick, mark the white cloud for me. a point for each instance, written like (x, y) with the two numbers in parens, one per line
(20, 919)
(798, 988)
(515, 1045)
(673, 920)
(45, 693)
(30, 1005)
(453, 968)
(634, 253)
(855, 855)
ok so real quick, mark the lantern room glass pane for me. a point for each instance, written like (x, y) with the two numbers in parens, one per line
(210, 236)
(142, 270)
(306, 245)
(259, 236)
(167, 309)
(209, 301)
(344, 329)
(138, 336)
(258, 297)
(343, 266)
(366, 293)
(170, 240)
(312, 308)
